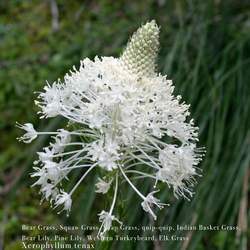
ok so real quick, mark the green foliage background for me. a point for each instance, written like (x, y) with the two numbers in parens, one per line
(205, 49)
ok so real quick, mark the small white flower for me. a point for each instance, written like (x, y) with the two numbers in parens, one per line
(102, 186)
(61, 139)
(178, 167)
(53, 171)
(43, 178)
(30, 134)
(105, 153)
(149, 202)
(47, 155)
(106, 219)
(51, 103)
(64, 199)
(49, 190)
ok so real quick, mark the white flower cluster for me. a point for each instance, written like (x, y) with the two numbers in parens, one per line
(129, 124)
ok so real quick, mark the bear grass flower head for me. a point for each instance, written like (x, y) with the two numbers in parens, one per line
(124, 119)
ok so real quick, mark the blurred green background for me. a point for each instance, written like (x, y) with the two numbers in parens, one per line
(205, 49)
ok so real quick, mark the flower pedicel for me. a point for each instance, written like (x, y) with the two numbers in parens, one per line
(134, 125)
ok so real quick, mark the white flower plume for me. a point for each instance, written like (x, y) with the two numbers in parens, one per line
(124, 119)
